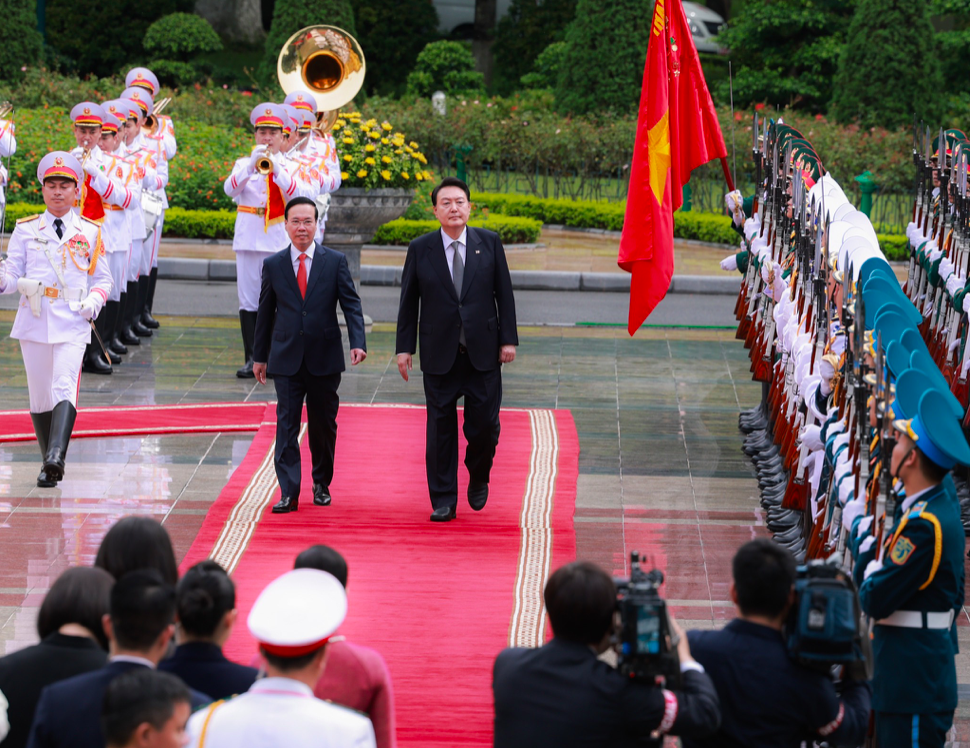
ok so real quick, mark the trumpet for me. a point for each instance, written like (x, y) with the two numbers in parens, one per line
(6, 109)
(152, 120)
(264, 165)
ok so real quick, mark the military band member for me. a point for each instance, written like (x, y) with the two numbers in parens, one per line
(102, 194)
(320, 150)
(56, 262)
(260, 184)
(8, 146)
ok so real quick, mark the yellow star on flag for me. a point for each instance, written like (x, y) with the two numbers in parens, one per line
(658, 138)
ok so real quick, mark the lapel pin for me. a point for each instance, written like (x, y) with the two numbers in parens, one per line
(478, 251)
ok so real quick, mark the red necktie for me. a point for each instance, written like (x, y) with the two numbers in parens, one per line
(301, 275)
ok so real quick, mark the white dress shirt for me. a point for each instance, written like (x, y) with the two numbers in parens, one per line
(450, 251)
(295, 259)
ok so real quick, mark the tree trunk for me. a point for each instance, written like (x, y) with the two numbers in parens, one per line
(234, 20)
(485, 20)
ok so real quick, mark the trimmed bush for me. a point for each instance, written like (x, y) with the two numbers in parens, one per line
(200, 224)
(894, 246)
(510, 230)
(446, 66)
(181, 36)
(574, 213)
(16, 211)
(20, 42)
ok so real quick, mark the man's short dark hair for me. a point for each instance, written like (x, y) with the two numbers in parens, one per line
(142, 606)
(203, 597)
(301, 200)
(80, 595)
(450, 182)
(289, 664)
(764, 574)
(324, 558)
(580, 599)
(141, 695)
(137, 543)
(930, 470)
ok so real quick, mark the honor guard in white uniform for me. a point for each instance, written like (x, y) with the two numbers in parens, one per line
(143, 223)
(320, 150)
(56, 262)
(123, 171)
(8, 146)
(260, 184)
(161, 140)
(102, 195)
(293, 620)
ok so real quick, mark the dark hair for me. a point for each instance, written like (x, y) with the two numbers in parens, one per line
(450, 182)
(137, 543)
(580, 599)
(324, 558)
(142, 606)
(203, 597)
(138, 696)
(764, 574)
(289, 664)
(930, 470)
(300, 200)
(80, 595)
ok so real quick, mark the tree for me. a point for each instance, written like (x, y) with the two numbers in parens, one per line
(447, 66)
(890, 41)
(392, 34)
(289, 16)
(234, 20)
(606, 47)
(786, 53)
(527, 29)
(103, 37)
(20, 42)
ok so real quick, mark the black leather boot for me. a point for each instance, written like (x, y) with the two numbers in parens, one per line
(106, 325)
(62, 424)
(117, 322)
(141, 297)
(131, 299)
(146, 316)
(42, 428)
(247, 325)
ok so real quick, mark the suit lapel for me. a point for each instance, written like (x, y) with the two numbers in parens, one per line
(287, 262)
(436, 249)
(320, 257)
(472, 253)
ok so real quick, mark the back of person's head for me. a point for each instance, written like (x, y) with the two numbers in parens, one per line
(580, 600)
(142, 701)
(142, 607)
(324, 558)
(203, 597)
(764, 574)
(80, 595)
(137, 543)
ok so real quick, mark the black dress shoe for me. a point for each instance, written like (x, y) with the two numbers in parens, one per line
(44, 480)
(286, 504)
(246, 370)
(321, 495)
(477, 495)
(444, 513)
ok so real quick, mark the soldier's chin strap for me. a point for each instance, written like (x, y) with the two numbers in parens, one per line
(895, 474)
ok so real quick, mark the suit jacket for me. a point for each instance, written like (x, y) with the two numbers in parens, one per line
(485, 307)
(69, 713)
(25, 673)
(204, 667)
(291, 329)
(561, 695)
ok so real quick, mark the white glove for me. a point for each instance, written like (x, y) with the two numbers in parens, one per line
(729, 263)
(911, 230)
(811, 437)
(874, 565)
(90, 167)
(277, 160)
(954, 283)
(88, 308)
(733, 201)
(954, 345)
(865, 545)
(946, 267)
(258, 152)
(933, 251)
(846, 492)
(752, 227)
(864, 524)
(851, 510)
(826, 386)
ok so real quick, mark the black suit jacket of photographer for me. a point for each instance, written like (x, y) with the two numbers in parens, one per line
(485, 308)
(561, 695)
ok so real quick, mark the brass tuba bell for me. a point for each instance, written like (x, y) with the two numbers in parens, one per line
(327, 62)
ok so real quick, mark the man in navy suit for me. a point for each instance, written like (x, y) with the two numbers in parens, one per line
(460, 279)
(139, 629)
(298, 343)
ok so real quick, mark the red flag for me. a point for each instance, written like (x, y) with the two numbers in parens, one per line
(677, 131)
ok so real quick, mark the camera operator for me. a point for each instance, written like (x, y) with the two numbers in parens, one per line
(562, 695)
(768, 699)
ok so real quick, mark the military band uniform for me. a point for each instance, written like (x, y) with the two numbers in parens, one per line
(8, 146)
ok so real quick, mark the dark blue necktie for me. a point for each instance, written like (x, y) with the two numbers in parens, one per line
(59, 228)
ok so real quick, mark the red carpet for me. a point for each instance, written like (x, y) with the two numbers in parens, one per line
(15, 425)
(438, 601)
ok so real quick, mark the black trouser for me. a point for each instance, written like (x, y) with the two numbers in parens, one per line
(482, 391)
(322, 402)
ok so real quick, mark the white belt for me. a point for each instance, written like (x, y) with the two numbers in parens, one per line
(917, 619)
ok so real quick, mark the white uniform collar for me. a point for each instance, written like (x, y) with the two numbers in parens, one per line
(910, 500)
(282, 686)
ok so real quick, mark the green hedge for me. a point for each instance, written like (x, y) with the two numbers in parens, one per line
(200, 224)
(511, 230)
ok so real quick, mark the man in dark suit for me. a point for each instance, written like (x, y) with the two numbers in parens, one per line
(139, 628)
(460, 279)
(298, 343)
(561, 695)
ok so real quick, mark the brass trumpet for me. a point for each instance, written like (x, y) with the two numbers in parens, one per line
(264, 165)
(152, 120)
(6, 109)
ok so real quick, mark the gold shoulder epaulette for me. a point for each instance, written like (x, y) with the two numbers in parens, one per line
(25, 219)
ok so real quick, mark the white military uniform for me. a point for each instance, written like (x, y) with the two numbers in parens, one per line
(162, 146)
(53, 339)
(279, 712)
(325, 149)
(8, 146)
(144, 163)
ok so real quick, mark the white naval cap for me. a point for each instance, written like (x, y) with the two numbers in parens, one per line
(298, 612)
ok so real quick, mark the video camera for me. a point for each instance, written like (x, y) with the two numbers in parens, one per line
(646, 648)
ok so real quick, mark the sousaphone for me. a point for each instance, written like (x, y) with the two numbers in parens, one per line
(327, 62)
